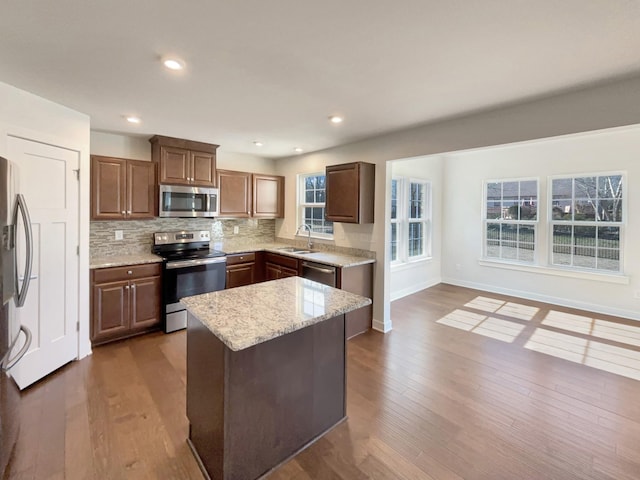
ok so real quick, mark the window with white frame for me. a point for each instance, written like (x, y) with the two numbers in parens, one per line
(587, 221)
(511, 216)
(410, 219)
(311, 204)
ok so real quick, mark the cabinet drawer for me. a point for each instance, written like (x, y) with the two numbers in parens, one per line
(282, 260)
(114, 274)
(241, 258)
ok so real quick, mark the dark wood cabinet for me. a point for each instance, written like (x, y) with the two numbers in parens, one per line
(122, 189)
(235, 193)
(359, 280)
(350, 191)
(268, 196)
(125, 301)
(184, 162)
(245, 194)
(280, 266)
(241, 270)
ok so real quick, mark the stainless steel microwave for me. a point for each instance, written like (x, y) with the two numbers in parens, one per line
(179, 201)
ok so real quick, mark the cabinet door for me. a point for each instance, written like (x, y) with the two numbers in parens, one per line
(240, 275)
(288, 272)
(145, 303)
(110, 311)
(174, 166)
(272, 271)
(342, 193)
(268, 196)
(141, 197)
(235, 193)
(350, 193)
(203, 169)
(108, 188)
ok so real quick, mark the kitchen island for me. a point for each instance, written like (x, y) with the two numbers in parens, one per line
(265, 372)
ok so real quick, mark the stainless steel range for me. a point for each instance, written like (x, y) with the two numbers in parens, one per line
(190, 267)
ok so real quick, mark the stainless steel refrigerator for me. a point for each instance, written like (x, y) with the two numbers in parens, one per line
(15, 231)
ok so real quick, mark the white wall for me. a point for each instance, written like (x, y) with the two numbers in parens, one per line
(139, 148)
(29, 116)
(412, 277)
(607, 105)
(603, 151)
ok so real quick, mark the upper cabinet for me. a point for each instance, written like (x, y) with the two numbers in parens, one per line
(234, 189)
(184, 162)
(243, 194)
(122, 189)
(268, 196)
(350, 192)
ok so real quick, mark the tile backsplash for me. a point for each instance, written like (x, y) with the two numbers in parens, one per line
(138, 234)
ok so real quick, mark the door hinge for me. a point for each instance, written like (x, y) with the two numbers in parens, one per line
(78, 250)
(77, 326)
(77, 172)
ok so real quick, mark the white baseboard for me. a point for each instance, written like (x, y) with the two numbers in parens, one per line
(564, 302)
(380, 326)
(397, 294)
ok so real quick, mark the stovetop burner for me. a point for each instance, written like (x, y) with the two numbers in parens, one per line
(191, 254)
(184, 245)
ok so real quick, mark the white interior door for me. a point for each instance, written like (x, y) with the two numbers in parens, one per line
(47, 179)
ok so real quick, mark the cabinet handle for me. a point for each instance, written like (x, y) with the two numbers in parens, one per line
(128, 212)
(126, 287)
(123, 212)
(133, 286)
(129, 272)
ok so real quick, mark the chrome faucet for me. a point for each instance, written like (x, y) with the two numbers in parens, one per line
(308, 227)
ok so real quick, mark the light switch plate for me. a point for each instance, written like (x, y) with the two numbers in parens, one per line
(236, 230)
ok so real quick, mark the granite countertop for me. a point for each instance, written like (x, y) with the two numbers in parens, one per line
(122, 260)
(245, 316)
(330, 258)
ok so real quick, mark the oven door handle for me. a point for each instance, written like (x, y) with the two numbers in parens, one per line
(194, 263)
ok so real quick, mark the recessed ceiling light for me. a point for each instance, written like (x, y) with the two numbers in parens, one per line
(133, 119)
(173, 63)
(258, 144)
(335, 119)
(298, 150)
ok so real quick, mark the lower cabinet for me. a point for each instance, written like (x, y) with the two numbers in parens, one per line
(125, 301)
(241, 270)
(280, 266)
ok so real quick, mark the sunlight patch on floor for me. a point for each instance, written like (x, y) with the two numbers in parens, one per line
(604, 329)
(496, 328)
(516, 310)
(510, 309)
(609, 358)
(485, 304)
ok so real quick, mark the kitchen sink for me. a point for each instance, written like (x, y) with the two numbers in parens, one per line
(294, 250)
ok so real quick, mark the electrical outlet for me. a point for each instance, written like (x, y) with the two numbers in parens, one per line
(119, 235)
(236, 229)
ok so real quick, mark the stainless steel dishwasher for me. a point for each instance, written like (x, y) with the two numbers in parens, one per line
(319, 272)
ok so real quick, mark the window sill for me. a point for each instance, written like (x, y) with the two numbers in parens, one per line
(598, 277)
(410, 263)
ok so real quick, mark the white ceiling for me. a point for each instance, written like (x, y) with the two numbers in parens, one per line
(275, 70)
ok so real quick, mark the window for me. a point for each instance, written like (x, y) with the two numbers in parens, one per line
(586, 221)
(311, 205)
(410, 219)
(511, 215)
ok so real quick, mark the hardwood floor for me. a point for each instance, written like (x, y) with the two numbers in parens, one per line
(433, 399)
